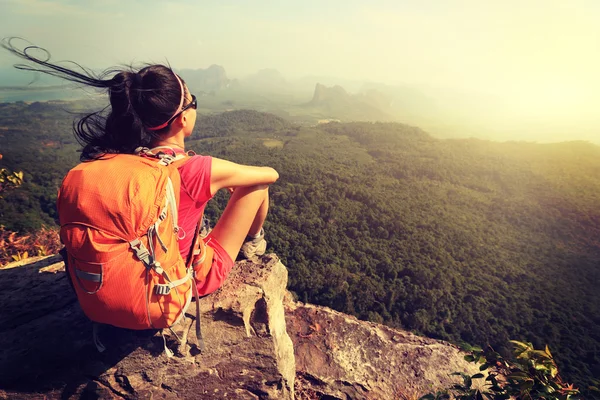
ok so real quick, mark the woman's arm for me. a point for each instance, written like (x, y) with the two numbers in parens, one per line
(225, 174)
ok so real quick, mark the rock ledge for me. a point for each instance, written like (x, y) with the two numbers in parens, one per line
(259, 345)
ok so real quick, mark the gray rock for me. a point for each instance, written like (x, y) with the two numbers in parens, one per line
(259, 345)
(48, 351)
(341, 357)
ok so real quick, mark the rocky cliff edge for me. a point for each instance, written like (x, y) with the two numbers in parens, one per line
(260, 344)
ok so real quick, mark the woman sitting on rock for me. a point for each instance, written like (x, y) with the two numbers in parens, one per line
(153, 107)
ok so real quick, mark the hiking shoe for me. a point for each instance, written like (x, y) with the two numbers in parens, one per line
(254, 246)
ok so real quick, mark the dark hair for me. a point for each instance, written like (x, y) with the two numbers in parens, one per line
(138, 100)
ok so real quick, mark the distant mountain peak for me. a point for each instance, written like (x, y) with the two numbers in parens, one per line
(336, 102)
(324, 94)
(212, 78)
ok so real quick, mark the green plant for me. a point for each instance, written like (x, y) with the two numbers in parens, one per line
(530, 374)
(9, 180)
(20, 256)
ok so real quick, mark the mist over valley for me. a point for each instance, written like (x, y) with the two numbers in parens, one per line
(312, 99)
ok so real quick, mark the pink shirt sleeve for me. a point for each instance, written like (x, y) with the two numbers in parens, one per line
(195, 178)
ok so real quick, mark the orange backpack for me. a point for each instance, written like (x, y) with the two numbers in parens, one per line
(118, 219)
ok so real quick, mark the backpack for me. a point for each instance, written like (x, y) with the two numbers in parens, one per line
(118, 221)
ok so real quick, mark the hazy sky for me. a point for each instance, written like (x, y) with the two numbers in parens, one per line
(540, 58)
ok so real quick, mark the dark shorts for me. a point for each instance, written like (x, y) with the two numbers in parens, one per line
(219, 269)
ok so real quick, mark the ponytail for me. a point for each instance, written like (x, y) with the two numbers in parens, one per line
(139, 100)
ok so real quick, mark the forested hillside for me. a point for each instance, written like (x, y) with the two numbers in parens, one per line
(465, 240)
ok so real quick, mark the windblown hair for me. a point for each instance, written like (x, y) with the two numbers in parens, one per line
(139, 100)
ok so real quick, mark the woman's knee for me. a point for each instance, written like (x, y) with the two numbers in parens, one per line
(258, 188)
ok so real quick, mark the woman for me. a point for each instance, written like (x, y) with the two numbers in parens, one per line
(153, 108)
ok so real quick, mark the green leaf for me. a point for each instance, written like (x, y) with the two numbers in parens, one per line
(552, 387)
(477, 376)
(520, 345)
(517, 376)
(484, 366)
(468, 381)
(526, 385)
(469, 358)
(542, 354)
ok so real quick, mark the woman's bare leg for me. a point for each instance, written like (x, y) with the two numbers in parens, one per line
(245, 214)
(261, 216)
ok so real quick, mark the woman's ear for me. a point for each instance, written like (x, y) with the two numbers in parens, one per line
(180, 122)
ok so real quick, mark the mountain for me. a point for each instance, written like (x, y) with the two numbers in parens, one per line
(209, 79)
(309, 82)
(335, 102)
(325, 95)
(408, 104)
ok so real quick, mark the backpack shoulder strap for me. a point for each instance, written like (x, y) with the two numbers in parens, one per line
(165, 154)
(179, 160)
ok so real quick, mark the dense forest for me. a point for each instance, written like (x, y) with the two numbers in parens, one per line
(464, 240)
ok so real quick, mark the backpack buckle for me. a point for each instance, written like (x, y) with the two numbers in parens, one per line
(141, 252)
(162, 290)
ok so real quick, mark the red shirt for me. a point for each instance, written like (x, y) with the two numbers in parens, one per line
(194, 194)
